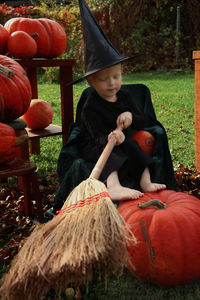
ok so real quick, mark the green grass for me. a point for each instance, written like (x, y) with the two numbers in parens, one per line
(173, 100)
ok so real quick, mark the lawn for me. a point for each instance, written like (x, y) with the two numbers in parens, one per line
(173, 100)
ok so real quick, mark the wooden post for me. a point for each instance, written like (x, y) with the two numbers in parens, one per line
(196, 57)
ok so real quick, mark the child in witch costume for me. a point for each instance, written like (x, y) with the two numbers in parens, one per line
(103, 113)
(106, 108)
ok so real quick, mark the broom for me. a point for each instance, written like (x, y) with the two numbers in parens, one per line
(87, 235)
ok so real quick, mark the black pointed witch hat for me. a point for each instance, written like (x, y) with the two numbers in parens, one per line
(99, 51)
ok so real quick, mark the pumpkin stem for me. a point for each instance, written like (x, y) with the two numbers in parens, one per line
(6, 71)
(35, 34)
(19, 140)
(155, 202)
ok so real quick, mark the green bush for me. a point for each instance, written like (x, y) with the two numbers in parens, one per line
(147, 27)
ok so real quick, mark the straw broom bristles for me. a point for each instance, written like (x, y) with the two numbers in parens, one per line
(87, 235)
(66, 250)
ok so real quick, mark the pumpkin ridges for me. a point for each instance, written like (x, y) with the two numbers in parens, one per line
(153, 266)
(188, 223)
(10, 24)
(2, 107)
(15, 92)
(47, 53)
(13, 103)
(165, 261)
(7, 142)
(25, 93)
(3, 39)
(57, 34)
(22, 83)
(147, 250)
(44, 48)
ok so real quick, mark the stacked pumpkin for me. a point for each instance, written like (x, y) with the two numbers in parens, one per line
(15, 98)
(28, 38)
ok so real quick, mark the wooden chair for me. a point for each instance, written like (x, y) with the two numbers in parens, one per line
(26, 171)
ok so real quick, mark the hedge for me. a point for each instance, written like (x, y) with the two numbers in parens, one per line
(139, 26)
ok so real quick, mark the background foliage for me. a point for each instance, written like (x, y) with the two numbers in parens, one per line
(143, 26)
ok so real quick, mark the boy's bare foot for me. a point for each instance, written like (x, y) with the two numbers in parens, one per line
(123, 193)
(152, 187)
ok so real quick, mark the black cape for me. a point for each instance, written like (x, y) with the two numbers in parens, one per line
(99, 118)
(73, 169)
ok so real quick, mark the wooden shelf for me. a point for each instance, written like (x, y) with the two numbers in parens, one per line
(35, 135)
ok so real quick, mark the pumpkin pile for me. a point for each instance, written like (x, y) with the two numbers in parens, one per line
(28, 38)
(166, 225)
(15, 98)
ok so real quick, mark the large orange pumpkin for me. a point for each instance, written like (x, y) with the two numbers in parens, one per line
(3, 39)
(8, 143)
(168, 233)
(50, 36)
(39, 115)
(15, 90)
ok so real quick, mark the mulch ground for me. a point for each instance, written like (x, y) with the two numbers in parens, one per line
(15, 226)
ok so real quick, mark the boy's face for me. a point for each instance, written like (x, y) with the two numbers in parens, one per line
(107, 82)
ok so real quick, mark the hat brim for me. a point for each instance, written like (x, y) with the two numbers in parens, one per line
(124, 59)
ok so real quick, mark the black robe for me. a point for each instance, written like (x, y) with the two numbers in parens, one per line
(73, 169)
(99, 118)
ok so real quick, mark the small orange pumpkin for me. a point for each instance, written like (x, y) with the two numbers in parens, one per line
(21, 45)
(39, 115)
(145, 140)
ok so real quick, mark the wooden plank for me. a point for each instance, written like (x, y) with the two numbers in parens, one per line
(43, 62)
(51, 130)
(196, 56)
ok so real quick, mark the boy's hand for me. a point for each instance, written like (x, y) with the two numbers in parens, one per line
(124, 120)
(119, 136)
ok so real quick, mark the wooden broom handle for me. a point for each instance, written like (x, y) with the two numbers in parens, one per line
(98, 168)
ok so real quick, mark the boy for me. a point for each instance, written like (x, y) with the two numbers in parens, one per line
(106, 109)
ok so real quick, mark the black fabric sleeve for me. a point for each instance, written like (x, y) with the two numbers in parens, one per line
(138, 116)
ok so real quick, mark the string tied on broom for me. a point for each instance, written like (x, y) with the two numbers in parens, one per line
(87, 235)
